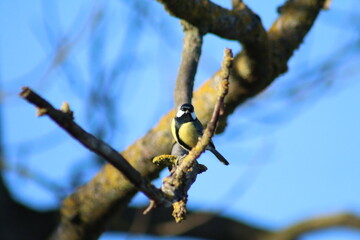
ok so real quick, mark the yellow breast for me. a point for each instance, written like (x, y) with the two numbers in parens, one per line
(189, 134)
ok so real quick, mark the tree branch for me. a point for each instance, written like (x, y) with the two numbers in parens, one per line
(288, 31)
(207, 225)
(188, 66)
(284, 37)
(204, 225)
(158, 222)
(64, 118)
(348, 220)
(241, 25)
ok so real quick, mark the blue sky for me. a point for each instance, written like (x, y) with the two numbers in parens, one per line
(293, 154)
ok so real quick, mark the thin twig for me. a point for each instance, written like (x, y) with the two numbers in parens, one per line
(64, 119)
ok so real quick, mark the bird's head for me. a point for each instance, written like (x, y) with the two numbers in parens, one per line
(186, 110)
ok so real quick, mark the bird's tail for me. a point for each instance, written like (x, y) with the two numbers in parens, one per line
(219, 156)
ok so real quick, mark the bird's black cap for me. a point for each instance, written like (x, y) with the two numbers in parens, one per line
(187, 107)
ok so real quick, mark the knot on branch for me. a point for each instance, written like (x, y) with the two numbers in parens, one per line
(65, 108)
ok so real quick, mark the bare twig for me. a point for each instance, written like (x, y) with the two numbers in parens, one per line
(65, 120)
(184, 174)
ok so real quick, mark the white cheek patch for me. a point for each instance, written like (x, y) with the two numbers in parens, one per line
(180, 113)
(193, 115)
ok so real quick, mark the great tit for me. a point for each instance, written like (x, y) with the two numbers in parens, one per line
(186, 129)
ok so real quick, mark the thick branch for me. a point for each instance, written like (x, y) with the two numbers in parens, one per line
(288, 31)
(241, 25)
(204, 225)
(208, 225)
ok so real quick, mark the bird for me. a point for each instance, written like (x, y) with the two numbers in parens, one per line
(186, 130)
